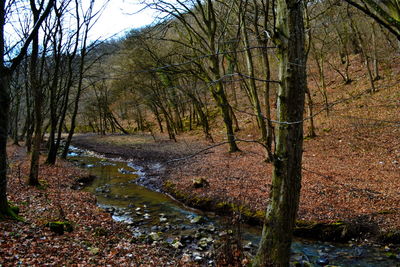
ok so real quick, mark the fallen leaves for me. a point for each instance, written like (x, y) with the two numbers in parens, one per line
(31, 243)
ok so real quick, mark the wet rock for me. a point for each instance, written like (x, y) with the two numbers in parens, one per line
(176, 244)
(163, 219)
(358, 251)
(110, 209)
(323, 261)
(154, 236)
(118, 213)
(197, 257)
(146, 216)
(107, 163)
(203, 243)
(222, 234)
(211, 228)
(197, 219)
(248, 246)
(103, 189)
(198, 235)
(165, 228)
(123, 171)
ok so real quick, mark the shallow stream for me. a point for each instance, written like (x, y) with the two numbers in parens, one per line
(155, 217)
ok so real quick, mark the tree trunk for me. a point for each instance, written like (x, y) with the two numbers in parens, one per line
(263, 42)
(5, 77)
(222, 103)
(38, 99)
(310, 113)
(16, 118)
(274, 248)
(252, 83)
(375, 54)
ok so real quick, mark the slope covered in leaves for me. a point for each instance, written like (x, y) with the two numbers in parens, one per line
(96, 238)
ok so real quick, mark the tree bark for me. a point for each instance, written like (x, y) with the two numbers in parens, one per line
(274, 248)
(38, 98)
(5, 77)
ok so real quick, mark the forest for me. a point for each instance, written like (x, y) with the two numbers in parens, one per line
(226, 133)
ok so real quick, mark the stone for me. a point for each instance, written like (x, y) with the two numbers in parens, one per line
(198, 259)
(211, 228)
(323, 261)
(196, 219)
(154, 236)
(223, 233)
(203, 243)
(176, 244)
(200, 182)
(59, 227)
(248, 246)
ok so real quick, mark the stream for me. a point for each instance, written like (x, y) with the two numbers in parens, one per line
(154, 217)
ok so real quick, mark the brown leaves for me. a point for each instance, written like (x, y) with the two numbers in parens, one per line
(32, 243)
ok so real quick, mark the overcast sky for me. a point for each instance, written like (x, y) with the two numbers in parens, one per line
(120, 16)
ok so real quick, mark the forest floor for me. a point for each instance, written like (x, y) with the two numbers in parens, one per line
(95, 240)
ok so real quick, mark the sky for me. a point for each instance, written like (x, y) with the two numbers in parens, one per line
(120, 16)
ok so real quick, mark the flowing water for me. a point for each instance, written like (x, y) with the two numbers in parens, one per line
(155, 217)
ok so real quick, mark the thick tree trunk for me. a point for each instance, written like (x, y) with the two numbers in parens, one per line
(5, 77)
(274, 249)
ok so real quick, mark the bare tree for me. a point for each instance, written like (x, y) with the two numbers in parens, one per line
(201, 31)
(7, 68)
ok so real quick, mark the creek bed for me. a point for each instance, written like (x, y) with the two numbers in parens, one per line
(155, 217)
